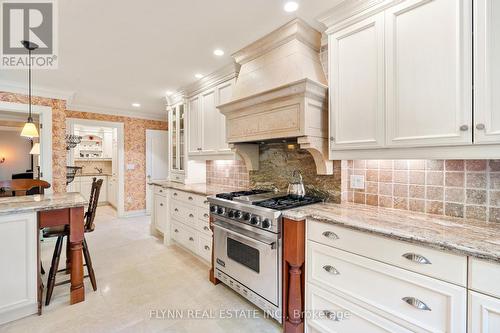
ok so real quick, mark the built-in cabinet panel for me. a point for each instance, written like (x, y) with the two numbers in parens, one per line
(484, 313)
(357, 65)
(487, 71)
(210, 122)
(194, 125)
(428, 58)
(224, 95)
(18, 259)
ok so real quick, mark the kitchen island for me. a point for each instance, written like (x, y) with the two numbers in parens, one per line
(20, 221)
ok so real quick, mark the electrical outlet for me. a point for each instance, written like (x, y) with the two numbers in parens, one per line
(358, 182)
(130, 166)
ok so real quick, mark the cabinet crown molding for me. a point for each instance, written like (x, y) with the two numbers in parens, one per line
(295, 29)
(209, 81)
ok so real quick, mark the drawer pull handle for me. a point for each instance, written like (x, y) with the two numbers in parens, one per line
(191, 215)
(331, 235)
(332, 270)
(190, 198)
(161, 204)
(417, 258)
(176, 230)
(206, 228)
(330, 315)
(207, 247)
(175, 194)
(205, 215)
(191, 239)
(205, 202)
(416, 303)
(176, 210)
(161, 191)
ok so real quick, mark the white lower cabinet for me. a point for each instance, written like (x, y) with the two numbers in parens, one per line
(379, 292)
(183, 217)
(484, 313)
(18, 259)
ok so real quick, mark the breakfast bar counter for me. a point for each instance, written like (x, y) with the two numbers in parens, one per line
(21, 218)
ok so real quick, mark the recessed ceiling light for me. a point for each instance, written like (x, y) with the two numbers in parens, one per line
(198, 76)
(291, 6)
(218, 52)
(136, 105)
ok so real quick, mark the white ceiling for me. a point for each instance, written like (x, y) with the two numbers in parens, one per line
(113, 53)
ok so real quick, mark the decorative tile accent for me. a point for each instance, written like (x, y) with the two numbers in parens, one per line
(228, 174)
(457, 188)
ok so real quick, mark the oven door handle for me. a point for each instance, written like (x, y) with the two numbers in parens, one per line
(236, 233)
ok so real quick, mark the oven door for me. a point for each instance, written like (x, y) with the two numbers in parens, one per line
(248, 257)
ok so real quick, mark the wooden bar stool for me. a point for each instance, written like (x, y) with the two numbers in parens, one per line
(62, 232)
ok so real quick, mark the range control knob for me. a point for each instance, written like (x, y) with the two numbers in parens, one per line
(238, 214)
(266, 224)
(230, 214)
(221, 210)
(246, 216)
(255, 220)
(213, 208)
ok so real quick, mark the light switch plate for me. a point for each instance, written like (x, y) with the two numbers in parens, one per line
(130, 166)
(358, 182)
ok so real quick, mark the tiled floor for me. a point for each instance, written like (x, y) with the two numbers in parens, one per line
(137, 275)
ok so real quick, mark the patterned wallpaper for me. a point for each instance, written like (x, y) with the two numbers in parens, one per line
(456, 188)
(135, 145)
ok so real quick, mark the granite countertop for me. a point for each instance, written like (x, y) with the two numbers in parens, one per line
(92, 174)
(462, 236)
(201, 188)
(30, 203)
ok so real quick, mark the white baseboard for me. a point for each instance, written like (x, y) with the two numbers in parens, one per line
(18, 312)
(134, 213)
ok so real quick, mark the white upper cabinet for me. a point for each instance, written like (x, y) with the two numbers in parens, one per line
(429, 84)
(210, 122)
(357, 94)
(194, 125)
(224, 94)
(487, 71)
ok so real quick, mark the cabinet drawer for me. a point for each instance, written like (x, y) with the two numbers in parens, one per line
(184, 235)
(333, 313)
(160, 190)
(204, 227)
(387, 290)
(485, 277)
(183, 213)
(189, 198)
(203, 214)
(205, 247)
(444, 266)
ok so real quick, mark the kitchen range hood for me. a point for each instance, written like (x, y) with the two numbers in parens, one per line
(280, 93)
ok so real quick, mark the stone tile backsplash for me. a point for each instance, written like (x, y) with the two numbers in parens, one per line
(457, 188)
(229, 174)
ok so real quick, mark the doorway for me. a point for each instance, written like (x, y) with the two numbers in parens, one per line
(100, 154)
(156, 161)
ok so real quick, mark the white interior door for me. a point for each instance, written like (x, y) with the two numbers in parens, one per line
(487, 71)
(429, 73)
(156, 161)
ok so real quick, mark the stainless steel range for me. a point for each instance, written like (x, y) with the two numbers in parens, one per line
(248, 243)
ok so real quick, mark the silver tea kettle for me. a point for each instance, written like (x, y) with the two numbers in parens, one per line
(296, 188)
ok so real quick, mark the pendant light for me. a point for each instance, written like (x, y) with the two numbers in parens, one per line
(29, 129)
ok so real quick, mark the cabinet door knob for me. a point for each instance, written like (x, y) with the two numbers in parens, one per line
(175, 194)
(190, 198)
(480, 127)
(330, 315)
(191, 215)
(331, 235)
(207, 247)
(416, 303)
(176, 210)
(161, 204)
(176, 230)
(417, 258)
(205, 202)
(332, 139)
(206, 228)
(191, 239)
(464, 128)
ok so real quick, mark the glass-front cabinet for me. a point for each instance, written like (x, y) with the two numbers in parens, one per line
(176, 125)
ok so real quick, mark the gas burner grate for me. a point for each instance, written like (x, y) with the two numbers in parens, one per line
(288, 202)
(232, 195)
